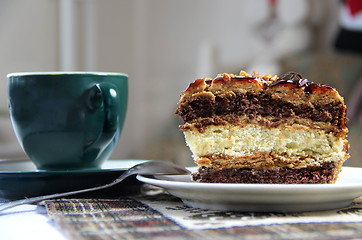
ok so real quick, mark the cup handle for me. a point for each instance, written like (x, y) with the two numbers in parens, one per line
(108, 100)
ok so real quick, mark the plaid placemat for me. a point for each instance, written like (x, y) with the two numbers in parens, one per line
(161, 216)
(199, 219)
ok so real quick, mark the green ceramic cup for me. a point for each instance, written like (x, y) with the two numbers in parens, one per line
(67, 120)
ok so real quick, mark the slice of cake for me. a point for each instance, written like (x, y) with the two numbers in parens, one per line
(264, 129)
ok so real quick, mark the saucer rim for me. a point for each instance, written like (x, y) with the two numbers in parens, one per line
(127, 163)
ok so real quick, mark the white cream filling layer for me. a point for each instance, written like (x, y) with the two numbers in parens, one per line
(239, 141)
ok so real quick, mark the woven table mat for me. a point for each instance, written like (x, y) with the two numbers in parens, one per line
(158, 215)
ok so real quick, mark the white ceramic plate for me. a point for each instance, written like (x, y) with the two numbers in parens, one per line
(263, 197)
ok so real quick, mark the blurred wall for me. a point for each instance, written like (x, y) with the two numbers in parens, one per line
(28, 42)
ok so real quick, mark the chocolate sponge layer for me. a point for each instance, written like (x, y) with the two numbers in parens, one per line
(312, 175)
(261, 105)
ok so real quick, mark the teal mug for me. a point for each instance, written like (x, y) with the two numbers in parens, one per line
(67, 120)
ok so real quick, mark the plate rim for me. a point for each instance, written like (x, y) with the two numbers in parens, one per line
(262, 197)
(234, 186)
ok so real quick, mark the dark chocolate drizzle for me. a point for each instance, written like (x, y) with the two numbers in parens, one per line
(294, 78)
(297, 80)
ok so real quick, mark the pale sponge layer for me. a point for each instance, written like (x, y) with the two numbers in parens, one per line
(242, 141)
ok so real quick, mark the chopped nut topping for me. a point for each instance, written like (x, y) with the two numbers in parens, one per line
(255, 74)
(244, 74)
(225, 76)
(274, 78)
(267, 77)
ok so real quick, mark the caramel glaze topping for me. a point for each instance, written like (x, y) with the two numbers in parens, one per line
(328, 108)
(289, 78)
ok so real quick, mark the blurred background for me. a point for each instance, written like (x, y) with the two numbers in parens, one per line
(163, 45)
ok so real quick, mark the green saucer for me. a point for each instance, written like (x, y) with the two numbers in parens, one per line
(19, 179)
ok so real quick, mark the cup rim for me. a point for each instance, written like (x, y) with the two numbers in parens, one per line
(58, 73)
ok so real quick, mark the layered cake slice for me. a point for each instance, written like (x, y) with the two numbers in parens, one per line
(252, 128)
